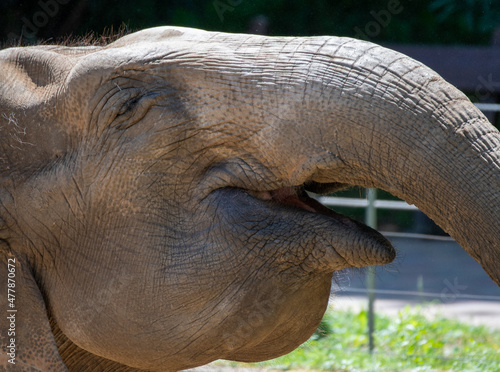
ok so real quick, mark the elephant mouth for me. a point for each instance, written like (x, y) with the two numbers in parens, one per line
(357, 244)
(298, 196)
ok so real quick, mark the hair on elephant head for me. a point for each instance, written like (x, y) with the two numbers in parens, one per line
(154, 191)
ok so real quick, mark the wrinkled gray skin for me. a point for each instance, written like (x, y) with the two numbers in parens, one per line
(152, 191)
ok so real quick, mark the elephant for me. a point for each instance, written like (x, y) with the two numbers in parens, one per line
(155, 193)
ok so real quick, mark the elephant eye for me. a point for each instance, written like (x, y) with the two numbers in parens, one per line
(128, 100)
(128, 106)
(134, 107)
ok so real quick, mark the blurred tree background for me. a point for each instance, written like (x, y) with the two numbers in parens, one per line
(402, 21)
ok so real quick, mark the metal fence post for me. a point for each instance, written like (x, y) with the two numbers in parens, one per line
(371, 220)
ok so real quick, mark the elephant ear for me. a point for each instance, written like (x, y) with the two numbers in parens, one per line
(31, 133)
(26, 339)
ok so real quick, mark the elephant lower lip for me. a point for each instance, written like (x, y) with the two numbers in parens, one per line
(297, 220)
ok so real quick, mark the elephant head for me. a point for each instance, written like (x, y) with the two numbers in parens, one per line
(153, 192)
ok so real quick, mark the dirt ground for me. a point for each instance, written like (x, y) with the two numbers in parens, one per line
(214, 367)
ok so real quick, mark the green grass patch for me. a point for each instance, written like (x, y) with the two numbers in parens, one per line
(409, 341)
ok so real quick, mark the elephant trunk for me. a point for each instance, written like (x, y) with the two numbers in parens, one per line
(396, 125)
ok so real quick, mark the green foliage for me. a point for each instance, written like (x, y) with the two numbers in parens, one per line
(472, 17)
(409, 341)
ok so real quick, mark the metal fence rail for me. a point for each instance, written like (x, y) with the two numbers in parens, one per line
(488, 106)
(332, 201)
